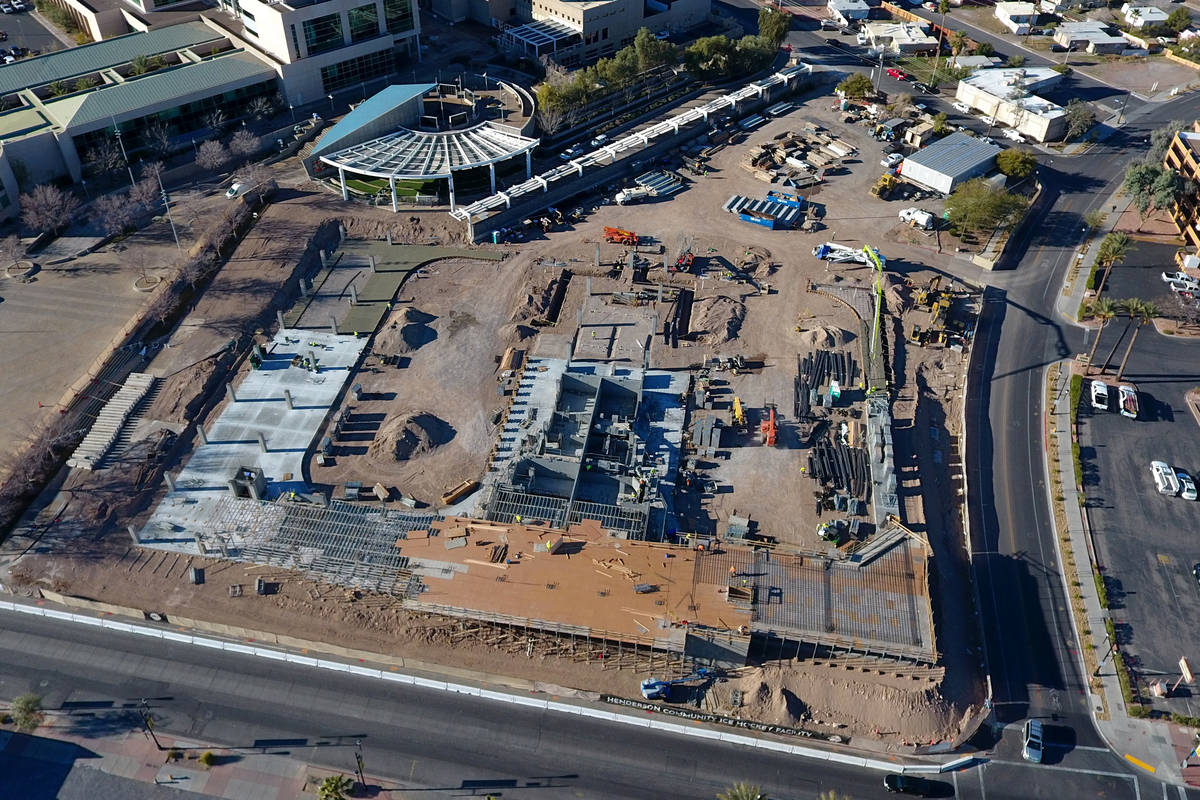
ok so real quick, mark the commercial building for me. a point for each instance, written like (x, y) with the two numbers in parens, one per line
(1093, 37)
(948, 162)
(1007, 97)
(1017, 17)
(579, 31)
(61, 106)
(901, 38)
(1183, 156)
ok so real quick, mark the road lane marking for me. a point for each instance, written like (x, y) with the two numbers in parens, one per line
(1056, 768)
(1138, 762)
(982, 788)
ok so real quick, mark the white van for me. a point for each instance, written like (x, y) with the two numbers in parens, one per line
(1165, 479)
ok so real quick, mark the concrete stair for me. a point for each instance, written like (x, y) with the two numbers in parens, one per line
(110, 421)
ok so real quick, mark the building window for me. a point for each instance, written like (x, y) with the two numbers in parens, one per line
(323, 34)
(398, 15)
(364, 22)
(296, 42)
(357, 70)
(247, 15)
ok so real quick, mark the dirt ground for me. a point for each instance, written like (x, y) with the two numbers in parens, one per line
(452, 326)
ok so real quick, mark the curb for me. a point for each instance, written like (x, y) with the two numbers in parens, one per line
(556, 706)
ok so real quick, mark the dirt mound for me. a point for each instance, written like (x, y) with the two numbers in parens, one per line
(516, 333)
(410, 435)
(830, 699)
(719, 317)
(406, 331)
(825, 336)
(897, 294)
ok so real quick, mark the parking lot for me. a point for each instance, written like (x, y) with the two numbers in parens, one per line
(1140, 275)
(1145, 541)
(26, 29)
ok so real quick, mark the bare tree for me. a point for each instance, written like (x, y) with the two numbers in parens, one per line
(105, 158)
(216, 121)
(550, 119)
(11, 248)
(48, 208)
(255, 175)
(212, 155)
(152, 169)
(157, 138)
(114, 212)
(145, 193)
(243, 144)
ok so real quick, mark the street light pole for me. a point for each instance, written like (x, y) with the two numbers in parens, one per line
(125, 157)
(148, 721)
(330, 104)
(170, 217)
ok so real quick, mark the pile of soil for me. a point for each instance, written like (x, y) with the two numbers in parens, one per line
(516, 333)
(785, 694)
(410, 435)
(406, 331)
(897, 295)
(536, 303)
(719, 317)
(825, 336)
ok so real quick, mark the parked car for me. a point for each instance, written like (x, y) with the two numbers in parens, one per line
(1180, 277)
(18, 5)
(600, 140)
(1182, 287)
(572, 151)
(962, 108)
(924, 88)
(897, 74)
(928, 6)
(235, 190)
(862, 40)
(1012, 135)
(1099, 394)
(1034, 743)
(6, 8)
(908, 784)
(1187, 487)
(3, 36)
(1165, 479)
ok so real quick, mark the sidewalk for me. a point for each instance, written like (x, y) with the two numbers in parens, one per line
(1157, 748)
(52, 754)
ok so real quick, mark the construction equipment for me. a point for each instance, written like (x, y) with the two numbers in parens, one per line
(619, 236)
(786, 198)
(739, 414)
(655, 689)
(917, 218)
(631, 195)
(931, 293)
(839, 253)
(768, 427)
(684, 258)
(884, 187)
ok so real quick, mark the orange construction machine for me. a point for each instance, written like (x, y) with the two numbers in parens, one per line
(618, 236)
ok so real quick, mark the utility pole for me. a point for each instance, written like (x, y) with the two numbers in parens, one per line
(148, 721)
(170, 218)
(358, 763)
(124, 155)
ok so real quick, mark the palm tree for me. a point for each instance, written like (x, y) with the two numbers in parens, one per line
(335, 787)
(1143, 313)
(1112, 251)
(943, 8)
(1104, 310)
(741, 791)
(958, 40)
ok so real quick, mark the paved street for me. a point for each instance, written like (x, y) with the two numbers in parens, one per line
(24, 29)
(433, 744)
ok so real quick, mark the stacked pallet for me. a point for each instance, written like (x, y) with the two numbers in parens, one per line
(110, 420)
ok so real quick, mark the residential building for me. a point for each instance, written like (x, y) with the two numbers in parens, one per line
(901, 38)
(61, 106)
(1183, 156)
(961, 61)
(847, 11)
(1017, 17)
(580, 31)
(1007, 97)
(1094, 37)
(1143, 16)
(949, 161)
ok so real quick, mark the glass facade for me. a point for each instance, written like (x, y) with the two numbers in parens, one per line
(364, 22)
(357, 70)
(323, 34)
(398, 15)
(182, 119)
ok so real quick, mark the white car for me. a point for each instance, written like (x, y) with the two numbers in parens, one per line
(1187, 487)
(1181, 287)
(1099, 394)
(862, 40)
(6, 8)
(1034, 742)
(891, 160)
(1012, 135)
(1165, 479)
(235, 190)
(600, 140)
(1180, 277)
(962, 108)
(18, 5)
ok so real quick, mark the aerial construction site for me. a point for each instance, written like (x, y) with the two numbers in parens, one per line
(659, 444)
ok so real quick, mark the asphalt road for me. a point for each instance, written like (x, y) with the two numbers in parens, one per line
(435, 744)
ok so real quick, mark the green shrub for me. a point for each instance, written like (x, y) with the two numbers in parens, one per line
(1101, 589)
(207, 759)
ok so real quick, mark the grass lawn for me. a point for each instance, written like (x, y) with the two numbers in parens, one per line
(373, 186)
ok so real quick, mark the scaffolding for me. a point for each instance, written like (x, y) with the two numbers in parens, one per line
(342, 543)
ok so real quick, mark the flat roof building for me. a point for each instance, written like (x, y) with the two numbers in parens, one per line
(1007, 96)
(1141, 16)
(900, 37)
(1093, 37)
(844, 11)
(1017, 17)
(1183, 156)
(946, 163)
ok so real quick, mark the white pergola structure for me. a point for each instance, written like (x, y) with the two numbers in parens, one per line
(409, 155)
